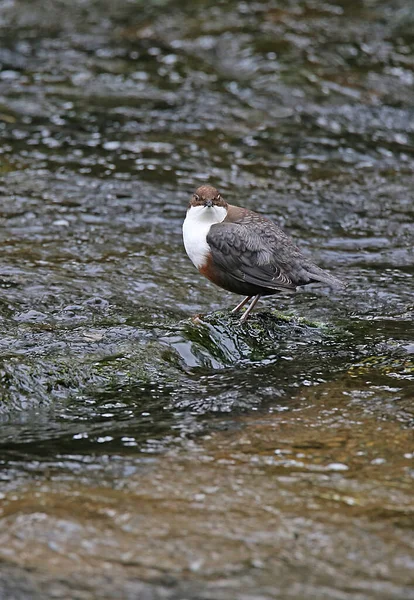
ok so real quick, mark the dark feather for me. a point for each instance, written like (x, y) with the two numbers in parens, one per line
(252, 249)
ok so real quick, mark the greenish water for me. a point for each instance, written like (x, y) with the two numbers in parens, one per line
(145, 453)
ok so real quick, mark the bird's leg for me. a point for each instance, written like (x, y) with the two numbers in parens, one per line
(241, 304)
(251, 307)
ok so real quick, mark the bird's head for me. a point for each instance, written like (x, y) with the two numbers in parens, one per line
(207, 197)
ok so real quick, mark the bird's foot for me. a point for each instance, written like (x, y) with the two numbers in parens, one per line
(197, 318)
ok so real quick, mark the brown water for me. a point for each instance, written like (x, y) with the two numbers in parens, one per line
(148, 455)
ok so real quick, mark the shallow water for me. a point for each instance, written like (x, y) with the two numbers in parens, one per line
(145, 453)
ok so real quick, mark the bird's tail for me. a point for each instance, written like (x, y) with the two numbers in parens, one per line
(317, 274)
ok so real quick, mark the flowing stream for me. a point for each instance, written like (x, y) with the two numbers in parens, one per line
(147, 454)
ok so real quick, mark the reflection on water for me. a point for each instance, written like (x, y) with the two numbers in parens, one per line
(147, 453)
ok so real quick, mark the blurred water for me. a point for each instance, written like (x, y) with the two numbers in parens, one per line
(148, 454)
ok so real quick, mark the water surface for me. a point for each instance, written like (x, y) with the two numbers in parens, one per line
(145, 453)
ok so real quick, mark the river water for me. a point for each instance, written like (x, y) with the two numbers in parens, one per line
(147, 454)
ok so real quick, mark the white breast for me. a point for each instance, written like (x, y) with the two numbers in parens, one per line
(196, 226)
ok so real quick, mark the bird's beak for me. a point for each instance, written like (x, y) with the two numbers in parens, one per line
(208, 203)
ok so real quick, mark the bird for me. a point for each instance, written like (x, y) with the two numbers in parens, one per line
(244, 252)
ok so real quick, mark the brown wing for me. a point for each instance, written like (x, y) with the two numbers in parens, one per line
(240, 252)
(253, 249)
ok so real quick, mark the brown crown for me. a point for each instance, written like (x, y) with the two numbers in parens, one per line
(207, 193)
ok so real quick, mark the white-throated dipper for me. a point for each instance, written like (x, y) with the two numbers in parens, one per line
(244, 252)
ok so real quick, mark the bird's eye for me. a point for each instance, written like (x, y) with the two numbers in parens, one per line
(218, 197)
(196, 197)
